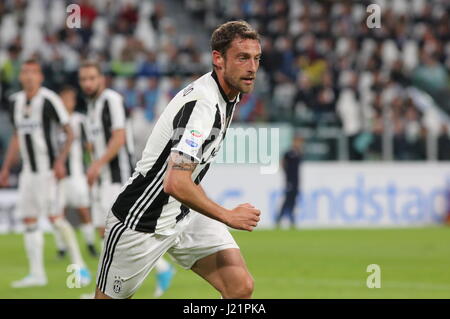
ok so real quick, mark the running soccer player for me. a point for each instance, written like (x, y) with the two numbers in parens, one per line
(74, 187)
(162, 208)
(36, 112)
(111, 167)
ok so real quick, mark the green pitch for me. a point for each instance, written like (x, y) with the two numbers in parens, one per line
(415, 263)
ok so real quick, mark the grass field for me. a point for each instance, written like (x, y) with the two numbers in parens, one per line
(415, 263)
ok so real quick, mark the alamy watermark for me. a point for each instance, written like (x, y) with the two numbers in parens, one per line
(374, 279)
(74, 279)
(260, 146)
(374, 18)
(73, 20)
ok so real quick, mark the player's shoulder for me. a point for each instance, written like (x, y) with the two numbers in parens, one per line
(46, 92)
(200, 91)
(112, 95)
(13, 97)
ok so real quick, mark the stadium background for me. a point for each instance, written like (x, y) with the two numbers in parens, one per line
(371, 103)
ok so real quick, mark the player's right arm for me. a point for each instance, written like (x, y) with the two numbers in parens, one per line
(178, 183)
(10, 158)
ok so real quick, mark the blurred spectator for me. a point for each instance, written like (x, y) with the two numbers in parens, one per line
(444, 144)
(409, 132)
(9, 74)
(431, 75)
(250, 109)
(88, 13)
(353, 116)
(130, 94)
(150, 67)
(126, 65)
(150, 99)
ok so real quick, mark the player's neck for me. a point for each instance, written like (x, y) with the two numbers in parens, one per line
(30, 93)
(230, 92)
(99, 92)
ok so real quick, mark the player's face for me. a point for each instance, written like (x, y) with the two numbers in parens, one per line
(90, 81)
(31, 76)
(241, 63)
(69, 99)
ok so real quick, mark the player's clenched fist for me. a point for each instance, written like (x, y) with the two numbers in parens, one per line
(243, 217)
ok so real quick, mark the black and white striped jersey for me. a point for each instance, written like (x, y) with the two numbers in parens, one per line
(36, 122)
(194, 123)
(105, 114)
(76, 163)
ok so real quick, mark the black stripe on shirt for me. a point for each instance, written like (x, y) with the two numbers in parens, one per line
(107, 131)
(134, 191)
(30, 151)
(217, 125)
(202, 174)
(48, 116)
(84, 142)
(180, 121)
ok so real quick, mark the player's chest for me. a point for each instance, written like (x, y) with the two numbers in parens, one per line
(29, 117)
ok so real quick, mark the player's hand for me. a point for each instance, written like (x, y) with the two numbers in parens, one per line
(60, 169)
(4, 178)
(93, 172)
(244, 217)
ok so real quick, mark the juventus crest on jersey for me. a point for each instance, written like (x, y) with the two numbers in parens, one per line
(194, 123)
(36, 121)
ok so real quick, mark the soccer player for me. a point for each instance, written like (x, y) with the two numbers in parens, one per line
(163, 208)
(74, 187)
(35, 113)
(111, 167)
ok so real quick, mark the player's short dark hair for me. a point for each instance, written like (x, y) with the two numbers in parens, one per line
(66, 88)
(91, 64)
(225, 33)
(32, 61)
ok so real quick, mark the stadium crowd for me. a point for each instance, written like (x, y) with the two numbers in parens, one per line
(322, 65)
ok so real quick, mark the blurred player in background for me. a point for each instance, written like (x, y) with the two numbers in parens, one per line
(152, 215)
(112, 165)
(74, 187)
(35, 113)
(291, 164)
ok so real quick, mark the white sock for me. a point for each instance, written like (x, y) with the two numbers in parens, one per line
(88, 232)
(34, 246)
(59, 240)
(162, 265)
(66, 231)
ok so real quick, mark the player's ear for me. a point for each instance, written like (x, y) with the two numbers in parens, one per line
(218, 60)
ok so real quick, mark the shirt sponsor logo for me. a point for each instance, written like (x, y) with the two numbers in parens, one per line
(191, 143)
(196, 133)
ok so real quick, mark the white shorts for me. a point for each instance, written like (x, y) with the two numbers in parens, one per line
(103, 197)
(38, 195)
(75, 192)
(128, 255)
